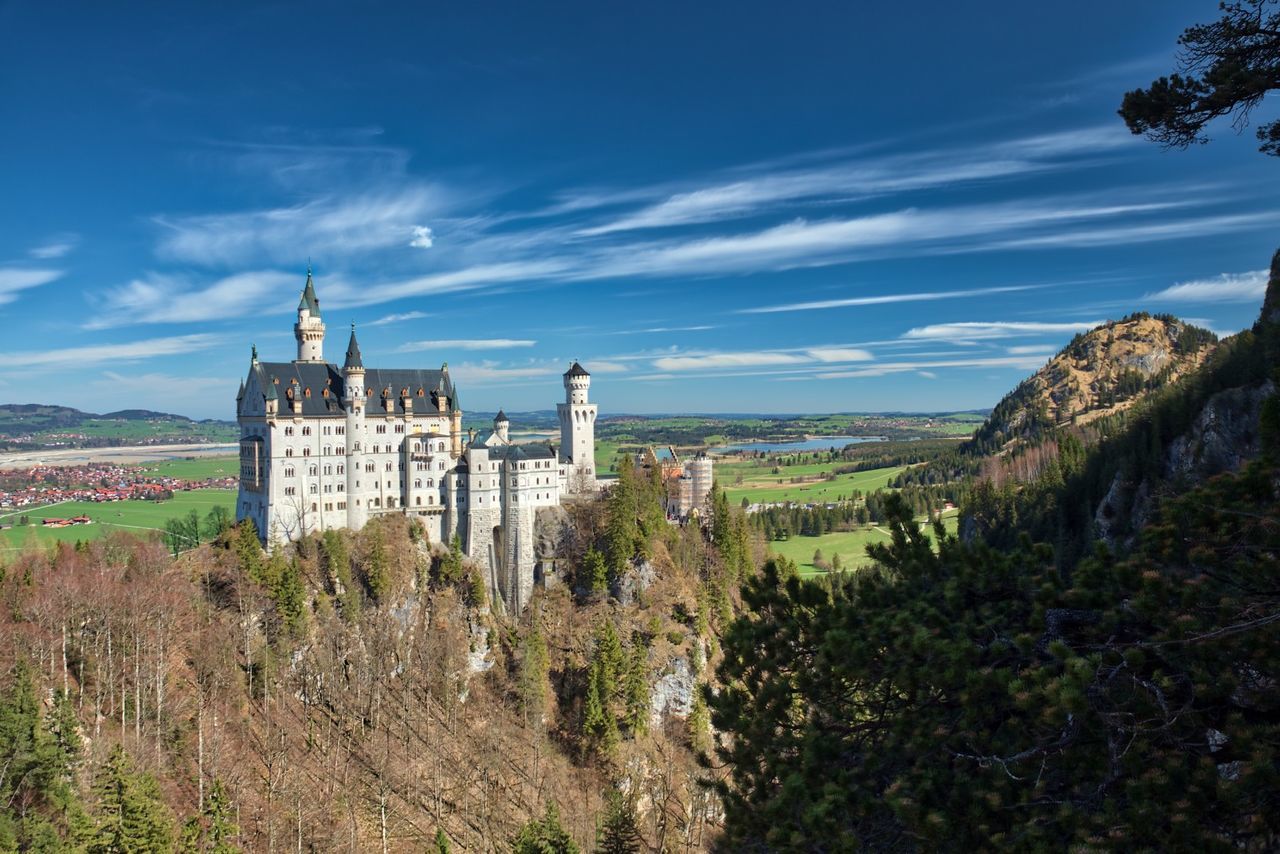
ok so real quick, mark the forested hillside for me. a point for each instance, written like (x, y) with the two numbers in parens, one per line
(1115, 687)
(357, 694)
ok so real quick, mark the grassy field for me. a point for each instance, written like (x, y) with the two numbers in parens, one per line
(138, 517)
(760, 485)
(196, 468)
(850, 545)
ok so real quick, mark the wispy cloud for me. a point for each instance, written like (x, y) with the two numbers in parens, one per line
(984, 330)
(131, 351)
(15, 280)
(860, 178)
(1030, 349)
(466, 344)
(728, 360)
(885, 299)
(654, 330)
(387, 320)
(1020, 362)
(340, 226)
(56, 247)
(171, 299)
(1225, 287)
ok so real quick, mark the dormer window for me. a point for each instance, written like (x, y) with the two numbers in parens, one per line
(306, 392)
(420, 392)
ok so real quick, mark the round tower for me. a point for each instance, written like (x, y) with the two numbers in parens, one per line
(353, 401)
(578, 430)
(309, 329)
(502, 427)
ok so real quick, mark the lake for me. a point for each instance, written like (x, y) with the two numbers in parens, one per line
(818, 443)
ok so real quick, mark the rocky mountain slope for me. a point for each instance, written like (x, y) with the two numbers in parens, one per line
(1100, 373)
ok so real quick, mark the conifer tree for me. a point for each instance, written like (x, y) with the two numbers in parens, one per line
(441, 841)
(213, 830)
(131, 814)
(618, 833)
(248, 550)
(545, 835)
(534, 664)
(377, 570)
(636, 690)
(699, 722)
(596, 572)
(289, 597)
(339, 560)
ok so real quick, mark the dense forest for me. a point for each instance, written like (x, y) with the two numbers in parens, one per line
(356, 692)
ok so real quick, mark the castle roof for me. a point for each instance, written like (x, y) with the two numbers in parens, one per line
(384, 383)
(576, 370)
(530, 451)
(309, 301)
(353, 352)
(501, 416)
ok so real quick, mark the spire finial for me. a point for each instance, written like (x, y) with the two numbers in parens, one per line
(254, 351)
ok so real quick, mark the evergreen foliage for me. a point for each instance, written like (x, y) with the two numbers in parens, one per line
(212, 831)
(618, 833)
(544, 835)
(131, 814)
(970, 699)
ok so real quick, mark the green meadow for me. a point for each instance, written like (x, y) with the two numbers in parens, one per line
(143, 518)
(759, 484)
(850, 545)
(195, 468)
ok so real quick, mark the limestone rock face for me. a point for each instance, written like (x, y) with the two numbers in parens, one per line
(1223, 437)
(673, 693)
(553, 540)
(635, 581)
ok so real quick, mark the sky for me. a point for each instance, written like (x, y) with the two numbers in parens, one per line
(716, 207)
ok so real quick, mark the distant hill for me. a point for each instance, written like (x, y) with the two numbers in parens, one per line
(29, 426)
(1100, 373)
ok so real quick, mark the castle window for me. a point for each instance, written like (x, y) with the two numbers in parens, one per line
(306, 392)
(328, 450)
(381, 428)
(324, 393)
(342, 469)
(306, 452)
(290, 490)
(419, 501)
(288, 452)
(312, 471)
(340, 430)
(399, 428)
(314, 490)
(388, 466)
(288, 431)
(306, 431)
(442, 446)
(420, 392)
(328, 469)
(288, 472)
(368, 467)
(313, 507)
(368, 392)
(342, 505)
(342, 487)
(417, 483)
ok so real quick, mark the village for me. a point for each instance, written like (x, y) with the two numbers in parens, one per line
(40, 486)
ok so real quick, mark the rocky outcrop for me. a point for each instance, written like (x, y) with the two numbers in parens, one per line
(553, 539)
(673, 693)
(628, 587)
(1223, 437)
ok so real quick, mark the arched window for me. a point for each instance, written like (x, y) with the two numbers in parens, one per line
(306, 431)
(442, 446)
(306, 452)
(417, 483)
(288, 472)
(288, 452)
(419, 501)
(312, 471)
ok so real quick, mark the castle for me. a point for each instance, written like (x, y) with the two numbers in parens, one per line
(325, 447)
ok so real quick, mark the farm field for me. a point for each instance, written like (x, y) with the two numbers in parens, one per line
(850, 545)
(761, 486)
(142, 518)
(196, 468)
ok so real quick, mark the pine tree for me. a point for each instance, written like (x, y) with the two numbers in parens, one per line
(699, 722)
(618, 833)
(289, 597)
(534, 665)
(131, 814)
(612, 659)
(596, 572)
(544, 836)
(636, 690)
(213, 830)
(249, 550)
(339, 560)
(451, 564)
(377, 570)
(441, 841)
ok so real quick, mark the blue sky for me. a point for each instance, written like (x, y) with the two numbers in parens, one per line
(717, 207)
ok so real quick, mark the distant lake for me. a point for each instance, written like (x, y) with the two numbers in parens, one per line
(819, 443)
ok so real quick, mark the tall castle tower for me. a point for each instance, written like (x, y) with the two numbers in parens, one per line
(353, 383)
(578, 430)
(309, 330)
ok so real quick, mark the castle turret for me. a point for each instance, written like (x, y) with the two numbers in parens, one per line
(502, 427)
(578, 430)
(309, 330)
(353, 401)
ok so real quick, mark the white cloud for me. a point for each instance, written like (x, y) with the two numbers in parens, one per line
(840, 354)
(728, 360)
(387, 320)
(1021, 362)
(423, 237)
(973, 331)
(768, 187)
(1120, 235)
(338, 226)
(885, 299)
(1226, 287)
(466, 344)
(660, 329)
(14, 280)
(56, 247)
(929, 375)
(170, 299)
(1031, 349)
(131, 351)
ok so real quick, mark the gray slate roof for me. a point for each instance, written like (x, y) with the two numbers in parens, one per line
(319, 377)
(309, 300)
(576, 370)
